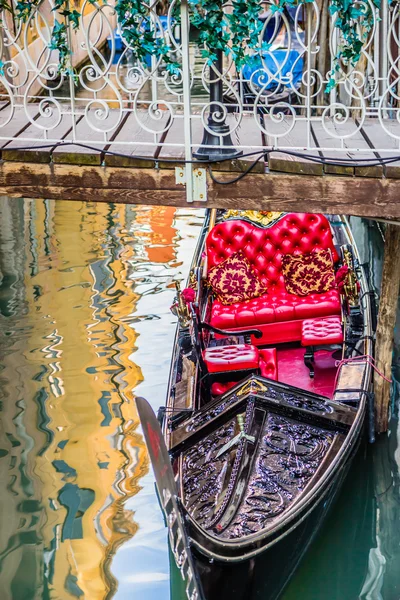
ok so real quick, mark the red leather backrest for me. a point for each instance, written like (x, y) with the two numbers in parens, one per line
(294, 233)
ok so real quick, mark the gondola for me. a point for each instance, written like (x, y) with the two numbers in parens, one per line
(268, 392)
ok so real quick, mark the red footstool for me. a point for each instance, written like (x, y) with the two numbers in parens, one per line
(239, 358)
(316, 334)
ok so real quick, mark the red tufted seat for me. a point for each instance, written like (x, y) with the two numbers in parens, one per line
(277, 314)
(266, 363)
(220, 387)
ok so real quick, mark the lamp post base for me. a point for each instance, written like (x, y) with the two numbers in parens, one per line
(221, 138)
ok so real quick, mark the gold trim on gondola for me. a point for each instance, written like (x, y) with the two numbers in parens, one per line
(350, 284)
(262, 217)
(252, 387)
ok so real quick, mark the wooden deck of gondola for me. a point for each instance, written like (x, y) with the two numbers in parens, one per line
(283, 182)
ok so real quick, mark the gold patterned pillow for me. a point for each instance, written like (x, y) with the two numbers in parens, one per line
(308, 273)
(234, 280)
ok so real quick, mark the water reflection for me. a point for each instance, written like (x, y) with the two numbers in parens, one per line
(79, 283)
(85, 291)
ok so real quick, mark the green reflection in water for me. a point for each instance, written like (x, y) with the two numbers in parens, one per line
(357, 553)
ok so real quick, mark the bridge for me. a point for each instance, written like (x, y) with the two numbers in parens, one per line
(118, 129)
(310, 121)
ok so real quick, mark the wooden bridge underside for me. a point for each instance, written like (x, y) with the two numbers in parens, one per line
(282, 183)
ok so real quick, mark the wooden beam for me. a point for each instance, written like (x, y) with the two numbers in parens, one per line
(133, 131)
(20, 150)
(386, 497)
(295, 138)
(386, 322)
(277, 192)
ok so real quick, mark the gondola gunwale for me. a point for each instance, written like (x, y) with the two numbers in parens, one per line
(176, 347)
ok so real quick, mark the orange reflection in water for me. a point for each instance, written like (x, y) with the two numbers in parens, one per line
(69, 451)
(159, 234)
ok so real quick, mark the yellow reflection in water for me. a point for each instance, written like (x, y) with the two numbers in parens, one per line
(69, 454)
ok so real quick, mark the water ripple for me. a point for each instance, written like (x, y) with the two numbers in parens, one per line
(80, 284)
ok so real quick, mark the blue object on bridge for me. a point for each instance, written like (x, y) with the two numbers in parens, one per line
(278, 67)
(119, 44)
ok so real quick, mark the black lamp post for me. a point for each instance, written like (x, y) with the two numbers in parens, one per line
(220, 135)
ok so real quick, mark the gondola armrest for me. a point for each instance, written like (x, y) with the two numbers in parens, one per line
(256, 332)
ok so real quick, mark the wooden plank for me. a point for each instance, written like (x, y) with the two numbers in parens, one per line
(246, 133)
(174, 136)
(249, 134)
(369, 171)
(331, 194)
(356, 148)
(78, 155)
(295, 138)
(31, 151)
(323, 139)
(379, 138)
(386, 321)
(3, 105)
(132, 131)
(18, 123)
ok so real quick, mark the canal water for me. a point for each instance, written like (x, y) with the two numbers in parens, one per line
(85, 290)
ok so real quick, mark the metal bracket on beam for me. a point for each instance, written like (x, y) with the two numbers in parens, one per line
(199, 182)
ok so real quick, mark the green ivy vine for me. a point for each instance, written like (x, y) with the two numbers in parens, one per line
(134, 23)
(236, 33)
(354, 23)
(353, 20)
(59, 34)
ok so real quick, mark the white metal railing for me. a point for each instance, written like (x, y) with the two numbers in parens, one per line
(282, 94)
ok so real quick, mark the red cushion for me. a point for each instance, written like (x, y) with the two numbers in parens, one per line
(231, 358)
(218, 388)
(234, 280)
(274, 308)
(278, 333)
(294, 233)
(310, 273)
(268, 364)
(318, 332)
